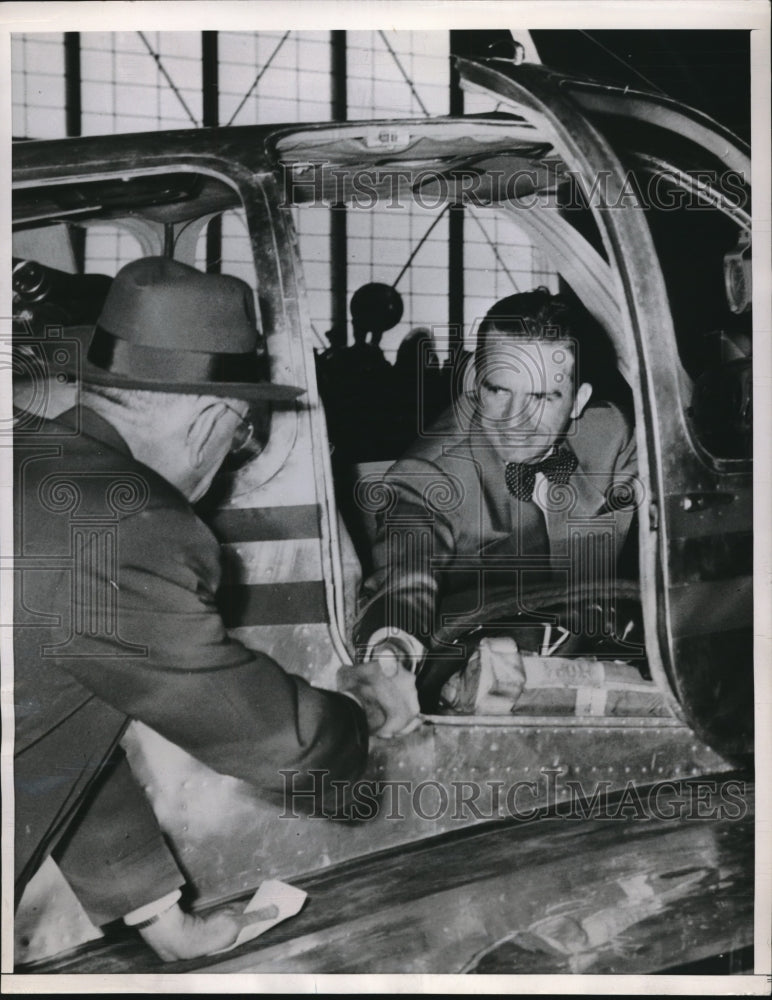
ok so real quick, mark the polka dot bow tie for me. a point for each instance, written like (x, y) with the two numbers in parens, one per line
(521, 477)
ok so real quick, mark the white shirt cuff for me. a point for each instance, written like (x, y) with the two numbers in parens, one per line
(412, 646)
(153, 909)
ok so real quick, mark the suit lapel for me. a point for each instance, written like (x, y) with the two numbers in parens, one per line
(584, 499)
(515, 528)
(498, 507)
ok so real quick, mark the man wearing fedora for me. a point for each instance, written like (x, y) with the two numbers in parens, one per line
(115, 582)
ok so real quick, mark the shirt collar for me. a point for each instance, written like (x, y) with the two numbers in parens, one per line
(83, 418)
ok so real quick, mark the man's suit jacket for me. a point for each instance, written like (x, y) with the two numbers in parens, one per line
(448, 525)
(115, 582)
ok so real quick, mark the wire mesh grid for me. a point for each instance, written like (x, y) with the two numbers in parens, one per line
(37, 86)
(134, 81)
(138, 81)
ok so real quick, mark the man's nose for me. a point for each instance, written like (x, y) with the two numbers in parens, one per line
(519, 411)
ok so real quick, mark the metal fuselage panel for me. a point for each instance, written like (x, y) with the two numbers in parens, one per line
(279, 533)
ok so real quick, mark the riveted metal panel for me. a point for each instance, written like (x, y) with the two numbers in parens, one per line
(228, 840)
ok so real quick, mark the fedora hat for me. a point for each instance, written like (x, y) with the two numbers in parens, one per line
(168, 327)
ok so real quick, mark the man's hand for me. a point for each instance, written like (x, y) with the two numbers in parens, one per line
(386, 689)
(177, 935)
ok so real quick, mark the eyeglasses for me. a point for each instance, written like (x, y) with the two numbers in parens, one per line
(243, 434)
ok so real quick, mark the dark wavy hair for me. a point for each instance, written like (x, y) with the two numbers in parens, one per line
(540, 315)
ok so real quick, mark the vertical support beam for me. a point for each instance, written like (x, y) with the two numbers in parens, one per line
(458, 46)
(456, 275)
(72, 92)
(339, 71)
(210, 87)
(338, 228)
(210, 83)
(73, 126)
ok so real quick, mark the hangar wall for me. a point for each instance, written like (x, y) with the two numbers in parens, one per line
(92, 83)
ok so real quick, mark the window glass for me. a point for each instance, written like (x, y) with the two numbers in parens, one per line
(706, 262)
(698, 211)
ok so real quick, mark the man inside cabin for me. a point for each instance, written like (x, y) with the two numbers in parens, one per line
(498, 491)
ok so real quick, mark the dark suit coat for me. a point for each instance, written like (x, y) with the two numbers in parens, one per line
(115, 582)
(450, 524)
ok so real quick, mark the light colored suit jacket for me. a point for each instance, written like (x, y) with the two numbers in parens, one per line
(448, 525)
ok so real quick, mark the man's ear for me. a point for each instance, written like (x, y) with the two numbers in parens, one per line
(200, 434)
(581, 399)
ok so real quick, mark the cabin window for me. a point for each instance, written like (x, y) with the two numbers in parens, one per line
(706, 262)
